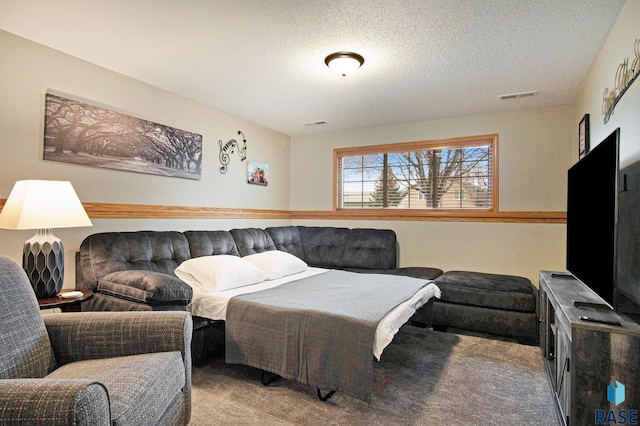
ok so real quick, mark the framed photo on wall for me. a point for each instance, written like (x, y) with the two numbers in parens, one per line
(257, 173)
(583, 136)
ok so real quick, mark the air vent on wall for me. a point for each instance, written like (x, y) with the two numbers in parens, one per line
(517, 95)
(314, 123)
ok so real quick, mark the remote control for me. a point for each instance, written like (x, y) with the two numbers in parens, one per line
(600, 321)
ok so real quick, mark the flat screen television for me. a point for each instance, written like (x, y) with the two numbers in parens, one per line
(592, 218)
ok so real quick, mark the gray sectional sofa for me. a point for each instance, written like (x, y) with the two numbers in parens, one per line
(135, 271)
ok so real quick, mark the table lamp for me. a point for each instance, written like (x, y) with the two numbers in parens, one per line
(43, 205)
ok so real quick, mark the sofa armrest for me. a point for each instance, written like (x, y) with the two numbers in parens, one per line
(53, 401)
(149, 287)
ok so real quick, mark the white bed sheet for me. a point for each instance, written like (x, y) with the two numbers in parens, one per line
(213, 305)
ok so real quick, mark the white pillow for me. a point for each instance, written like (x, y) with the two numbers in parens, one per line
(219, 273)
(277, 264)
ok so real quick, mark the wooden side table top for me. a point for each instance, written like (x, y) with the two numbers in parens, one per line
(65, 305)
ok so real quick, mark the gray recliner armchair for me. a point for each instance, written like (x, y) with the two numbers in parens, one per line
(98, 368)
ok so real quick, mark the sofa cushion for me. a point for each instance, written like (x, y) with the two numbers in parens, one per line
(324, 246)
(140, 387)
(504, 292)
(148, 287)
(288, 239)
(209, 243)
(252, 241)
(108, 252)
(522, 326)
(370, 249)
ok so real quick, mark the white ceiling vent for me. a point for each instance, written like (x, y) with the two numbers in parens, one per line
(518, 95)
(314, 123)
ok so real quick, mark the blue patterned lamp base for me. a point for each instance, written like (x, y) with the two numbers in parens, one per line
(43, 261)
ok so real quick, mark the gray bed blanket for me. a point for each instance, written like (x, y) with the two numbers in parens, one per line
(319, 330)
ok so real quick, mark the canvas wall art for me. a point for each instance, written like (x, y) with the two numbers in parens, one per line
(80, 133)
(258, 173)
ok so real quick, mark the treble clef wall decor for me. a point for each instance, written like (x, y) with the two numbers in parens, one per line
(229, 148)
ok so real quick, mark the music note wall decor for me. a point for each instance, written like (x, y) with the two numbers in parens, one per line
(227, 149)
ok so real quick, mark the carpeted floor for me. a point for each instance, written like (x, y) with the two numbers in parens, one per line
(424, 377)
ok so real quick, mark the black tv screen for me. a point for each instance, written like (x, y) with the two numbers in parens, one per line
(592, 215)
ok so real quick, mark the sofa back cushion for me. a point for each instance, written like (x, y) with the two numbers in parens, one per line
(211, 243)
(324, 246)
(370, 249)
(288, 239)
(340, 248)
(157, 251)
(252, 241)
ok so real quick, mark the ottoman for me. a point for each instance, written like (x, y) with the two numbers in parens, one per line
(502, 305)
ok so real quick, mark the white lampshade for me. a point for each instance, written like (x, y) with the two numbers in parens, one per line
(43, 204)
(344, 63)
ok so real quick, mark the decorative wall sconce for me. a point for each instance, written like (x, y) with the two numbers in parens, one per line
(229, 148)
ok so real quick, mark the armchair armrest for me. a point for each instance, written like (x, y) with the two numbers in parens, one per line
(53, 401)
(94, 335)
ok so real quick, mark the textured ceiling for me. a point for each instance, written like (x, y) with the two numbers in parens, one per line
(263, 60)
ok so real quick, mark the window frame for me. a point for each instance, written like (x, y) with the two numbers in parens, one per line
(459, 142)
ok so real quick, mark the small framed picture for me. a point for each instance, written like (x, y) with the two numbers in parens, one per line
(583, 136)
(258, 173)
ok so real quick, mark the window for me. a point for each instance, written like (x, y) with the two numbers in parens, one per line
(440, 175)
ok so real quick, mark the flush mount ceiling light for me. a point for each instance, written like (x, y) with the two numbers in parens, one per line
(344, 63)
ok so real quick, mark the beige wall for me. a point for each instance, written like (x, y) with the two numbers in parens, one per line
(28, 70)
(618, 47)
(535, 151)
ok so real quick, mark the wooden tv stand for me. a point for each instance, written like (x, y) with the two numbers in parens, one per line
(582, 357)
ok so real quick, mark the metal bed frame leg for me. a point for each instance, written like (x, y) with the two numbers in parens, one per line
(268, 378)
(326, 397)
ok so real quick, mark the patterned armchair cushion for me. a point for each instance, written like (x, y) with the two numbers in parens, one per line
(140, 387)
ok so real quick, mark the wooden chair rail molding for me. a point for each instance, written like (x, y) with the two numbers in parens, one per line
(148, 211)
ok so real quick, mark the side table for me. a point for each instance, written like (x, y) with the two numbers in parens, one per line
(65, 305)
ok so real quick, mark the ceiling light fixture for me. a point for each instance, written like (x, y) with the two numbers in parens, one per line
(344, 63)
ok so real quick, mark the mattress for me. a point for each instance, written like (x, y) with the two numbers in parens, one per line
(213, 305)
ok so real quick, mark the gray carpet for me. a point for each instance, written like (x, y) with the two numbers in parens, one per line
(425, 377)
